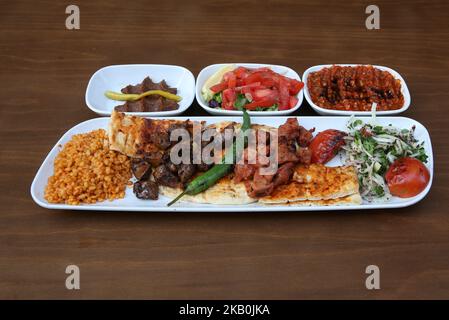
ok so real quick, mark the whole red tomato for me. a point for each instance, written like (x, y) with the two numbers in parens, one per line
(407, 177)
(326, 145)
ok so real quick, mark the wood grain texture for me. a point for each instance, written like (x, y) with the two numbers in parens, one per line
(44, 73)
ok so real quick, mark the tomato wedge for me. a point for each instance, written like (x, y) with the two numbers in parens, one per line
(293, 101)
(326, 144)
(219, 87)
(295, 86)
(284, 96)
(264, 102)
(228, 99)
(231, 79)
(241, 72)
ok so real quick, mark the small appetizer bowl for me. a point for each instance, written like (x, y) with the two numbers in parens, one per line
(116, 77)
(208, 71)
(331, 112)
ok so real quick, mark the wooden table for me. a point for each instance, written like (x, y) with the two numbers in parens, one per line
(44, 73)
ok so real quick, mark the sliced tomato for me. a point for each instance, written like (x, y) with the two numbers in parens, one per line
(293, 101)
(230, 78)
(241, 72)
(295, 86)
(326, 144)
(284, 96)
(219, 87)
(228, 99)
(254, 86)
(253, 77)
(407, 177)
(264, 102)
(262, 93)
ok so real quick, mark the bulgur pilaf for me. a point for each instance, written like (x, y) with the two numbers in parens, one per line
(87, 171)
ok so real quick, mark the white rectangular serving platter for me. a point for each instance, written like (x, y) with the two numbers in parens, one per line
(208, 71)
(116, 77)
(131, 203)
(329, 112)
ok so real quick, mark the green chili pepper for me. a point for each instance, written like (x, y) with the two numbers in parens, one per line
(218, 171)
(134, 97)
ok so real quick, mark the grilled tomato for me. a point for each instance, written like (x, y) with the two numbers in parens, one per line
(326, 144)
(407, 177)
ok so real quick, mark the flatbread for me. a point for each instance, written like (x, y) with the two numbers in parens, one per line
(132, 135)
(318, 186)
(353, 199)
(316, 182)
(224, 192)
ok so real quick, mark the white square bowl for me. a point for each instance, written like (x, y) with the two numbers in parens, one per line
(210, 70)
(329, 112)
(116, 77)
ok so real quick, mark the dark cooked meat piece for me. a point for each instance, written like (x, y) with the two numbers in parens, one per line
(304, 155)
(261, 185)
(305, 136)
(154, 157)
(146, 190)
(165, 177)
(185, 172)
(284, 174)
(203, 167)
(149, 103)
(243, 172)
(172, 167)
(140, 168)
(286, 152)
(162, 140)
(148, 84)
(289, 130)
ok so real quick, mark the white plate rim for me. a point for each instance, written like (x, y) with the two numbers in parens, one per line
(142, 114)
(323, 111)
(230, 208)
(222, 112)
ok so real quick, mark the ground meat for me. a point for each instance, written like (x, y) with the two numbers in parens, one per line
(146, 190)
(355, 88)
(203, 167)
(165, 177)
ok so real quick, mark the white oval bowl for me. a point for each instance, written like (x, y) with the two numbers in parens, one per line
(210, 70)
(323, 111)
(116, 77)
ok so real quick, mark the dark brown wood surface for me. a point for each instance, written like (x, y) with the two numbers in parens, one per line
(44, 73)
